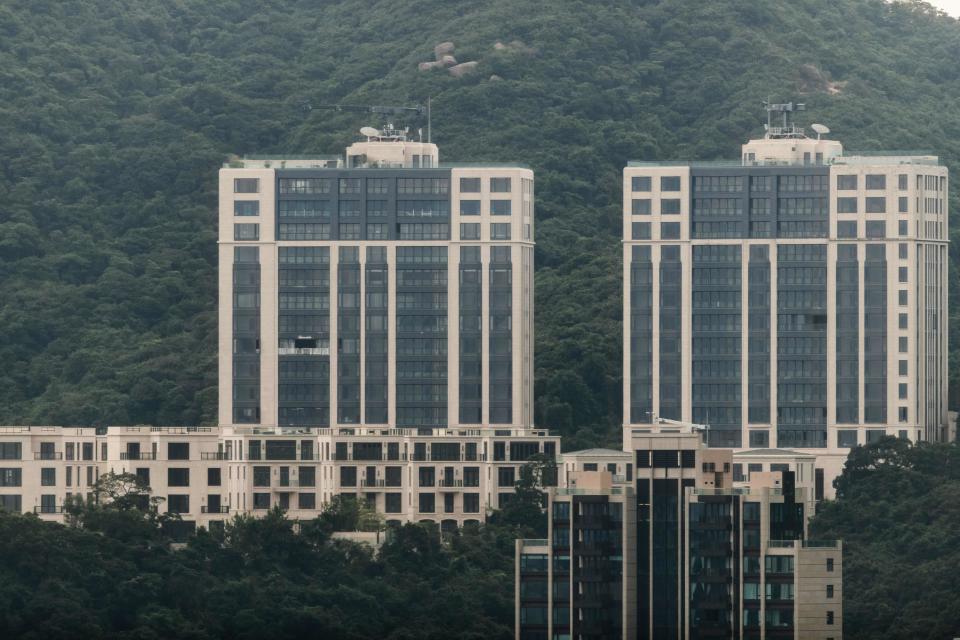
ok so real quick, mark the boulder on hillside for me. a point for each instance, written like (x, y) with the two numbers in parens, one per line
(442, 49)
(447, 61)
(463, 68)
(427, 66)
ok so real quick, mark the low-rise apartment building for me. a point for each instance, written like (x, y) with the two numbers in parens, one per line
(207, 474)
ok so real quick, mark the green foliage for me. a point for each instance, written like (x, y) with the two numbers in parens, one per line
(898, 514)
(526, 508)
(259, 579)
(346, 513)
(120, 506)
(115, 115)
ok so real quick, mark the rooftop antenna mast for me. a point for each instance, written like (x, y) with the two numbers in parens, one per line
(417, 109)
(787, 129)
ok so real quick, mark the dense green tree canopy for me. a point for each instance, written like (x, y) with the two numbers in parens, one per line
(898, 514)
(116, 114)
(115, 573)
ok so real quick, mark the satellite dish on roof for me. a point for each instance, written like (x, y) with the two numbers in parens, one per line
(820, 129)
(370, 132)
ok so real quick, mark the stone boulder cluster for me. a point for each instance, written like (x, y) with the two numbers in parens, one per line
(443, 58)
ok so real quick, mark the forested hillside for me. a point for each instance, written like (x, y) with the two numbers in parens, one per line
(116, 114)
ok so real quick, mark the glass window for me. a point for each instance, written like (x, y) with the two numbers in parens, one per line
(876, 229)
(246, 207)
(903, 204)
(377, 232)
(640, 183)
(876, 205)
(670, 183)
(903, 227)
(246, 231)
(641, 230)
(876, 182)
(902, 182)
(427, 503)
(378, 185)
(304, 209)
(846, 229)
(846, 183)
(178, 477)
(641, 207)
(349, 185)
(246, 185)
(469, 207)
(500, 185)
(470, 231)
(670, 230)
(304, 185)
(178, 451)
(350, 231)
(846, 205)
(500, 207)
(670, 206)
(349, 208)
(500, 231)
(470, 185)
(846, 438)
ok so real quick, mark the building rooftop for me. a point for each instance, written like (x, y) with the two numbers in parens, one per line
(605, 453)
(871, 158)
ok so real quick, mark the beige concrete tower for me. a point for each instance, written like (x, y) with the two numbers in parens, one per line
(382, 290)
(794, 298)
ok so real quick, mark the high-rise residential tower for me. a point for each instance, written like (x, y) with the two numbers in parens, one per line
(794, 298)
(383, 289)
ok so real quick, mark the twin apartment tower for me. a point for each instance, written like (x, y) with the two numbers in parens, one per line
(795, 298)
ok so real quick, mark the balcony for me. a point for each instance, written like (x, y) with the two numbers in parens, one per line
(221, 509)
(820, 544)
(48, 455)
(781, 544)
(48, 509)
(303, 351)
(450, 484)
(349, 457)
(214, 455)
(137, 455)
(377, 482)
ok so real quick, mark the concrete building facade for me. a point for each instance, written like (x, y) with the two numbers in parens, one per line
(386, 290)
(209, 474)
(705, 550)
(795, 298)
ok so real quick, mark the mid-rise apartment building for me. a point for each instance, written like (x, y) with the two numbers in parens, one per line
(709, 543)
(794, 298)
